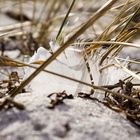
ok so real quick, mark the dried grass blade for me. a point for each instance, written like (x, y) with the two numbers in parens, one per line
(126, 70)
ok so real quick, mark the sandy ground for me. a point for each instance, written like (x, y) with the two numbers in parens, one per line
(75, 119)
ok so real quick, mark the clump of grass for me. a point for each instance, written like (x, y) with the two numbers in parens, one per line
(35, 31)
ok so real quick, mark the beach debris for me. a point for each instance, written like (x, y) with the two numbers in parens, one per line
(118, 104)
(129, 108)
(9, 84)
(58, 98)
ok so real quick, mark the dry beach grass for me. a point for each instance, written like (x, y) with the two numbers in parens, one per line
(95, 48)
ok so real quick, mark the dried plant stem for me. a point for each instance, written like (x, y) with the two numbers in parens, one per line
(131, 18)
(122, 5)
(105, 67)
(107, 43)
(89, 22)
(122, 36)
(126, 70)
(129, 60)
(42, 11)
(78, 81)
(15, 26)
(21, 21)
(89, 70)
(33, 14)
(106, 34)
